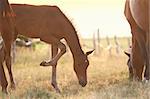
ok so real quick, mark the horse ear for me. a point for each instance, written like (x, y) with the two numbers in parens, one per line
(89, 52)
(128, 54)
(128, 51)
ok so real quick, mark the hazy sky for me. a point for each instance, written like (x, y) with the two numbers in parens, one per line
(89, 15)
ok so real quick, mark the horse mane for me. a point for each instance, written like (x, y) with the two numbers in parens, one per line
(70, 21)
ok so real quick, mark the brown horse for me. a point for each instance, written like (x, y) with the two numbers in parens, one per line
(136, 12)
(128, 53)
(7, 30)
(50, 25)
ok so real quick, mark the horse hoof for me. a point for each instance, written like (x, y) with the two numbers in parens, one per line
(4, 91)
(56, 88)
(13, 86)
(58, 91)
(43, 63)
(145, 81)
(50, 63)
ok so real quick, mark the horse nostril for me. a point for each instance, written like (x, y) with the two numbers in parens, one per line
(83, 83)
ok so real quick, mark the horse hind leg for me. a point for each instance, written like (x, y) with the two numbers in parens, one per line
(54, 41)
(8, 59)
(3, 80)
(9, 63)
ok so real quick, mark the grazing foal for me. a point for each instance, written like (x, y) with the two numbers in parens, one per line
(50, 25)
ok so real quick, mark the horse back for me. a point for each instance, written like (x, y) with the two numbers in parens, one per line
(33, 21)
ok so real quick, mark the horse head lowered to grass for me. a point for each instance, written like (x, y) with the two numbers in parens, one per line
(50, 25)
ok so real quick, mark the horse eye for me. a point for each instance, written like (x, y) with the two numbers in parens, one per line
(86, 61)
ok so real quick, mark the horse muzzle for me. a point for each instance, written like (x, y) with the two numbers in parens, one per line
(83, 83)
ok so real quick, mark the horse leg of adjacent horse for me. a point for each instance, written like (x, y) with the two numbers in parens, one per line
(146, 73)
(141, 39)
(8, 43)
(3, 79)
(139, 54)
(8, 59)
(8, 65)
(147, 68)
(137, 61)
(60, 45)
(54, 50)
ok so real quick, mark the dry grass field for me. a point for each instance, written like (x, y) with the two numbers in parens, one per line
(107, 76)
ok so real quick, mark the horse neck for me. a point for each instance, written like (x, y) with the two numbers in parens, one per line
(71, 38)
(74, 45)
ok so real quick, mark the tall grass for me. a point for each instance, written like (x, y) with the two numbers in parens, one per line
(107, 77)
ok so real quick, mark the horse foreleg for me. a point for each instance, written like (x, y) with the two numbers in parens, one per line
(147, 68)
(137, 61)
(54, 50)
(56, 57)
(53, 61)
